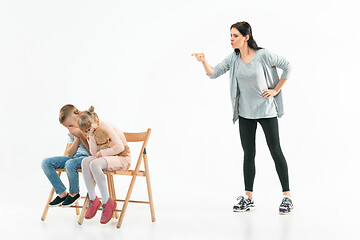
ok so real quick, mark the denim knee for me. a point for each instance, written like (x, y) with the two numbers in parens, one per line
(45, 164)
(71, 166)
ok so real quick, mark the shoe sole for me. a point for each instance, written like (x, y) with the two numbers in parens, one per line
(111, 215)
(72, 204)
(286, 213)
(245, 210)
(57, 205)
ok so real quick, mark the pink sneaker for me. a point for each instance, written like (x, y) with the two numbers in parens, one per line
(107, 211)
(92, 208)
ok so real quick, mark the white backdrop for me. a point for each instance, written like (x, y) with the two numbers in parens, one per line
(131, 61)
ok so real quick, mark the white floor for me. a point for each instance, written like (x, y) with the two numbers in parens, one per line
(210, 220)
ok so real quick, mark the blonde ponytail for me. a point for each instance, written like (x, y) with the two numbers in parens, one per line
(91, 109)
(86, 118)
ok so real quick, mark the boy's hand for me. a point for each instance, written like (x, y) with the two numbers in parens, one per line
(75, 131)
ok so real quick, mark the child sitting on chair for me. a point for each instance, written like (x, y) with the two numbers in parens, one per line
(104, 159)
(76, 149)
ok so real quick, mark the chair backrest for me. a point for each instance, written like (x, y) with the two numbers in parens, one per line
(139, 137)
(135, 137)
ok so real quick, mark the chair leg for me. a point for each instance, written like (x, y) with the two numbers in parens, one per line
(46, 209)
(77, 209)
(126, 202)
(149, 188)
(108, 179)
(116, 214)
(83, 210)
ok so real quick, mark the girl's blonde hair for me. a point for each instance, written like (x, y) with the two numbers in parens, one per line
(86, 118)
(66, 111)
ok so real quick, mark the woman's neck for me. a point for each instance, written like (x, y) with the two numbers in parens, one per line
(245, 51)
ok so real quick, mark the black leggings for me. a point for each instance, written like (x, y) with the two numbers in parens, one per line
(247, 128)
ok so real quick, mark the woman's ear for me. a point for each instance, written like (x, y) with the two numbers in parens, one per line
(98, 121)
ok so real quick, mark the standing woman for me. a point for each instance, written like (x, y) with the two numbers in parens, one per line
(256, 97)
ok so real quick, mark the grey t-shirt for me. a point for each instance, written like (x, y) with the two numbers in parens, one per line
(251, 79)
(81, 149)
(265, 62)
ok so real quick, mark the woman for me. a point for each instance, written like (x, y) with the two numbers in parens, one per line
(255, 90)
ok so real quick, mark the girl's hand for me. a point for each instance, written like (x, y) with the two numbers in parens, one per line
(92, 129)
(269, 93)
(98, 154)
(199, 56)
(75, 131)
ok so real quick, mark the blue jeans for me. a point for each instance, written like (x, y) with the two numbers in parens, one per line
(71, 164)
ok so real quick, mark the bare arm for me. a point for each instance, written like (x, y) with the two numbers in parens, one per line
(71, 148)
(84, 140)
(79, 137)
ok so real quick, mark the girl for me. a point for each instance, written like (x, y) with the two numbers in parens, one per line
(93, 166)
(256, 97)
(76, 149)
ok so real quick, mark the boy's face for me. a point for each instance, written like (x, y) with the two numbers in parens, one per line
(71, 121)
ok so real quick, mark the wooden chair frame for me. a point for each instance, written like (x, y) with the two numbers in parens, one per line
(130, 137)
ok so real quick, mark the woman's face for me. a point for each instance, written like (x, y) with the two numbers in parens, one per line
(237, 40)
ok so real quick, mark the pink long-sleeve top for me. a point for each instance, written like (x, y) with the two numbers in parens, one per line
(116, 136)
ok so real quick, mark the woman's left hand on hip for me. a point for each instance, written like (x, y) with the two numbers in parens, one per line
(267, 93)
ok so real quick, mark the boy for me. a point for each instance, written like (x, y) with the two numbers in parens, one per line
(77, 148)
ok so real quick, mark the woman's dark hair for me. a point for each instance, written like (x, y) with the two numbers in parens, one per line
(245, 29)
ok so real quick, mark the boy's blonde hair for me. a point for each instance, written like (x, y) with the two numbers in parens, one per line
(66, 111)
(86, 118)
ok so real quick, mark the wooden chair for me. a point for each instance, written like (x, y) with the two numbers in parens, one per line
(130, 137)
(46, 209)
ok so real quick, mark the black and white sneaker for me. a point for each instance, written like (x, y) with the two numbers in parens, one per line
(286, 205)
(69, 201)
(57, 201)
(244, 204)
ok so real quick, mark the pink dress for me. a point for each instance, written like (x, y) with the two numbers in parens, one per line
(119, 140)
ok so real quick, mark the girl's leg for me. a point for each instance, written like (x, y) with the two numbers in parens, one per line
(97, 166)
(271, 130)
(88, 177)
(71, 167)
(49, 165)
(247, 128)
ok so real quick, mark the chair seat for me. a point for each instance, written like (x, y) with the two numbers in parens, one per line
(117, 172)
